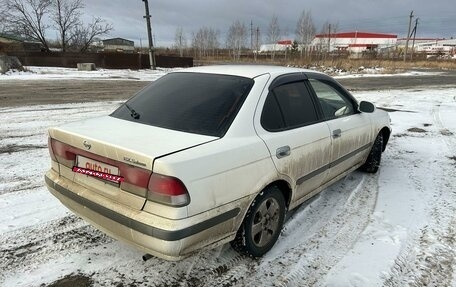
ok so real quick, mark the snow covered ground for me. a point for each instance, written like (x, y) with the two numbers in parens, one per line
(380, 73)
(394, 228)
(55, 73)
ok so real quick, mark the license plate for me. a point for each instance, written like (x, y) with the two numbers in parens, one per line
(94, 165)
(97, 169)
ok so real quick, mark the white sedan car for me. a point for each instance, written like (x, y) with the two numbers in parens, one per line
(210, 155)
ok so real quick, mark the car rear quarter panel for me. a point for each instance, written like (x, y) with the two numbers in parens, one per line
(220, 172)
(227, 169)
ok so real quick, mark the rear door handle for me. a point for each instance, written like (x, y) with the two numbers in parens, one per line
(337, 133)
(283, 151)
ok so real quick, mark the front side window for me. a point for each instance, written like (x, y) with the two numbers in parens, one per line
(190, 102)
(288, 106)
(333, 103)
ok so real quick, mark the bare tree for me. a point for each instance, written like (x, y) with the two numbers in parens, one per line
(236, 38)
(66, 16)
(273, 34)
(328, 30)
(197, 44)
(84, 34)
(205, 42)
(28, 18)
(33, 18)
(305, 30)
(180, 42)
(212, 41)
(2, 16)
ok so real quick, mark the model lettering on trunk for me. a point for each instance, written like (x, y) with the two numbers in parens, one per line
(134, 161)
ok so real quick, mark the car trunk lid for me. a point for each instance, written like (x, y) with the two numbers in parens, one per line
(116, 147)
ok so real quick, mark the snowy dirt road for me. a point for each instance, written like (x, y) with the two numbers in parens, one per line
(394, 228)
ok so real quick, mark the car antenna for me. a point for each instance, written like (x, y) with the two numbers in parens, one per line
(133, 113)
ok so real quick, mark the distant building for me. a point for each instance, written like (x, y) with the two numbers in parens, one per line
(354, 42)
(431, 46)
(9, 42)
(281, 45)
(119, 45)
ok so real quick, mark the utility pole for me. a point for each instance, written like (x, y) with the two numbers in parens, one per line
(329, 38)
(414, 36)
(408, 36)
(149, 35)
(257, 42)
(251, 35)
(181, 45)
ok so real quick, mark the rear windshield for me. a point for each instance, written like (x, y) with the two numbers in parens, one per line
(191, 102)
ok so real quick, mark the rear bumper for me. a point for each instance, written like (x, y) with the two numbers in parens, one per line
(171, 239)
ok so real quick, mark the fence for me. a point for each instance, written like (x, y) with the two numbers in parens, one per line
(102, 60)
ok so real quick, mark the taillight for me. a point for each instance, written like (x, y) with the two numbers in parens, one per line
(136, 179)
(51, 152)
(167, 190)
(60, 152)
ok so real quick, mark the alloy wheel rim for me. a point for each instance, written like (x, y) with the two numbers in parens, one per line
(265, 222)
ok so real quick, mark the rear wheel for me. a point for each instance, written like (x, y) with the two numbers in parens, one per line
(374, 158)
(262, 224)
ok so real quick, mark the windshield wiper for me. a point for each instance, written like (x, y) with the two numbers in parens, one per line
(133, 113)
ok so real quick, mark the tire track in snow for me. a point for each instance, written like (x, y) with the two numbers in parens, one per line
(24, 249)
(118, 265)
(429, 257)
(337, 236)
(205, 268)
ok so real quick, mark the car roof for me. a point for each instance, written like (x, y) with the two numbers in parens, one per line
(248, 71)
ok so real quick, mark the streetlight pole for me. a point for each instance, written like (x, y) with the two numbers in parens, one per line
(149, 35)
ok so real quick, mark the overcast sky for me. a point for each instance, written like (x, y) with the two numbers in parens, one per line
(437, 18)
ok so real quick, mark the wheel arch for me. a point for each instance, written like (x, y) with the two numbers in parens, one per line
(240, 241)
(284, 187)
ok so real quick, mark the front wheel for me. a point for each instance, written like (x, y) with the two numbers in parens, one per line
(373, 159)
(262, 224)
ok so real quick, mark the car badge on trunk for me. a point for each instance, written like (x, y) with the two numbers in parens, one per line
(133, 161)
(87, 145)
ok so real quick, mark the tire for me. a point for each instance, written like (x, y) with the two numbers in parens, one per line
(375, 156)
(262, 224)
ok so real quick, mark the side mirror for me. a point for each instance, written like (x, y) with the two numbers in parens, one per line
(366, 107)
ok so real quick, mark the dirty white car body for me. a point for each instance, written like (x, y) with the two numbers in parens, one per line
(236, 186)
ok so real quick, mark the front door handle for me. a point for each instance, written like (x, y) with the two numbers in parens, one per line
(337, 133)
(283, 151)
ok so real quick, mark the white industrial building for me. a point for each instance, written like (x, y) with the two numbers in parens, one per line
(118, 45)
(437, 47)
(354, 42)
(281, 45)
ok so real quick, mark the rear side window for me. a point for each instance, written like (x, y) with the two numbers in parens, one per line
(288, 106)
(191, 102)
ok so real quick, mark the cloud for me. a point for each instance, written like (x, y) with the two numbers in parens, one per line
(387, 16)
